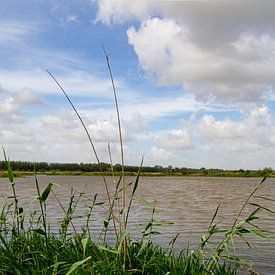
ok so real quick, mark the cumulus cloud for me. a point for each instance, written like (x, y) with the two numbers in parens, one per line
(216, 22)
(219, 50)
(242, 70)
(121, 10)
(9, 111)
(135, 122)
(65, 126)
(11, 104)
(27, 97)
(206, 141)
(158, 154)
(254, 132)
(174, 140)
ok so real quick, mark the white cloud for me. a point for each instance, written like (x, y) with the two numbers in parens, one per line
(242, 70)
(158, 155)
(27, 97)
(254, 132)
(15, 32)
(173, 140)
(74, 82)
(219, 22)
(219, 50)
(225, 143)
(215, 50)
(71, 19)
(135, 122)
(121, 10)
(154, 107)
(11, 104)
(66, 126)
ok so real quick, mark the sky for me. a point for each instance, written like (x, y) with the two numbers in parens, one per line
(195, 81)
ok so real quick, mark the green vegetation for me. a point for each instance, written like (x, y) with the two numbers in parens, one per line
(25, 168)
(28, 246)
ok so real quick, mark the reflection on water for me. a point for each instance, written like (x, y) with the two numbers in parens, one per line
(187, 202)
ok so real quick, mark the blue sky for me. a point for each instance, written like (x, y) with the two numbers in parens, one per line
(195, 81)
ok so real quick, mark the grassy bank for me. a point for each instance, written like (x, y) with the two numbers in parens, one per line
(19, 173)
(25, 167)
(29, 254)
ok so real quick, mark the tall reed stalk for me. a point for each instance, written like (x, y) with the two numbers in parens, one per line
(93, 148)
(16, 222)
(122, 156)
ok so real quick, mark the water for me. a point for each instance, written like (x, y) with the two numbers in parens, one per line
(187, 202)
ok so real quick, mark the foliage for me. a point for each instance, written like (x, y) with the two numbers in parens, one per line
(82, 168)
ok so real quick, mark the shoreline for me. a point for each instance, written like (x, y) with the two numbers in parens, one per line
(21, 174)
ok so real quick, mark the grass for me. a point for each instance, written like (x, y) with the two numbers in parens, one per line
(28, 246)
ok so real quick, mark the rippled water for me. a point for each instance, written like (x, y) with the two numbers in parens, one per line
(187, 202)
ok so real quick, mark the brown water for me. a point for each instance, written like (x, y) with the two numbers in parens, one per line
(187, 202)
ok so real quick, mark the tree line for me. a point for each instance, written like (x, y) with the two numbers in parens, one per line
(157, 169)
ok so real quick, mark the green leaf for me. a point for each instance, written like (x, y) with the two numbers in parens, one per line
(20, 210)
(122, 239)
(264, 198)
(76, 265)
(99, 203)
(216, 212)
(144, 244)
(151, 233)
(137, 178)
(84, 244)
(10, 172)
(101, 247)
(46, 192)
(162, 223)
(34, 198)
(146, 203)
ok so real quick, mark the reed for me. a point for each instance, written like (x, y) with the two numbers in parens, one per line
(124, 221)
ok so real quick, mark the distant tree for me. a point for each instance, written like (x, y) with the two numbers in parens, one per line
(266, 172)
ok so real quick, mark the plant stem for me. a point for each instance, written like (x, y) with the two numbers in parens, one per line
(122, 155)
(89, 138)
(41, 208)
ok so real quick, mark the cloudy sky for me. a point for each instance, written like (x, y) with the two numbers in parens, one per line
(195, 81)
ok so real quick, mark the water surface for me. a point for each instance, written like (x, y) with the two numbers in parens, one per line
(188, 202)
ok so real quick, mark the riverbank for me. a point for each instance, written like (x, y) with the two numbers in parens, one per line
(18, 174)
(92, 169)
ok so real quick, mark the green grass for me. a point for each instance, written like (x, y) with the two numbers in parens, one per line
(29, 254)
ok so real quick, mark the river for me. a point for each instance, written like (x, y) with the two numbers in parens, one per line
(187, 202)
